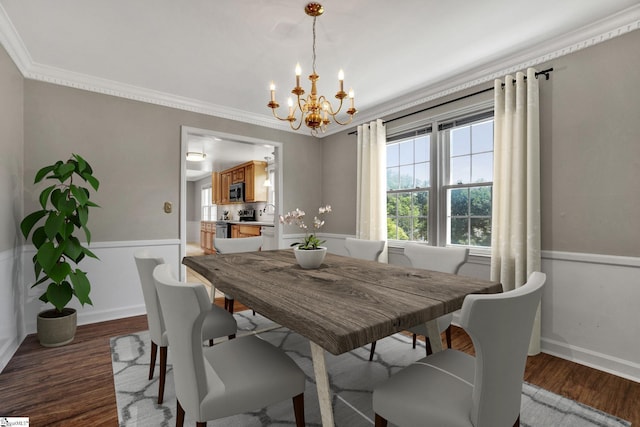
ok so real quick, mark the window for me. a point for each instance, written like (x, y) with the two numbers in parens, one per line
(209, 210)
(439, 184)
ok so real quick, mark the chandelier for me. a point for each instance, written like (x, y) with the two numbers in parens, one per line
(317, 111)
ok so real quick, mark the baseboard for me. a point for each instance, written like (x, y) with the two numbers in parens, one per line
(7, 350)
(592, 359)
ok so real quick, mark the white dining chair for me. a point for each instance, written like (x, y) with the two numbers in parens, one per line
(452, 388)
(364, 249)
(237, 245)
(218, 323)
(436, 258)
(229, 378)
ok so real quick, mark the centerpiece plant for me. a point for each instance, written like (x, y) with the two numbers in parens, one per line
(54, 232)
(296, 217)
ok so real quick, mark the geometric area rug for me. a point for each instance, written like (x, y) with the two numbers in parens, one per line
(351, 376)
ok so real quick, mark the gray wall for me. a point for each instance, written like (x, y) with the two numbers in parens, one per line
(590, 153)
(11, 140)
(134, 149)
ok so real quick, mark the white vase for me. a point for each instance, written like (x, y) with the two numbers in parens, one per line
(310, 258)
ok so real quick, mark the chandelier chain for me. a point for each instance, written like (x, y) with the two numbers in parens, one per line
(314, 45)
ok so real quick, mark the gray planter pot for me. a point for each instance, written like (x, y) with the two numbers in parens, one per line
(55, 329)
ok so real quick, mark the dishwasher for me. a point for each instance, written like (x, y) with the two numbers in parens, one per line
(222, 230)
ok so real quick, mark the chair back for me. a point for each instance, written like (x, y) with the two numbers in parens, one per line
(500, 327)
(230, 246)
(436, 258)
(146, 262)
(364, 249)
(184, 306)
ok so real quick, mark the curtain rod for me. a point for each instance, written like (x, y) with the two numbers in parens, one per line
(538, 73)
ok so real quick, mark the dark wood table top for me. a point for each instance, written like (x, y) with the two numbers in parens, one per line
(344, 304)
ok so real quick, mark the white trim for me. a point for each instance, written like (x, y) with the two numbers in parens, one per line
(608, 28)
(600, 361)
(624, 261)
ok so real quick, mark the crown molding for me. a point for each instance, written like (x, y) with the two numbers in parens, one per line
(605, 29)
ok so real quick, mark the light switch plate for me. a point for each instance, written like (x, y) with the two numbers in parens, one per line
(167, 207)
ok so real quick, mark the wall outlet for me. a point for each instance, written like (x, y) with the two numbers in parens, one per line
(167, 207)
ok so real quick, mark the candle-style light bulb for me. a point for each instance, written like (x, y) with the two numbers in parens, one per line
(290, 104)
(272, 88)
(351, 96)
(298, 72)
(341, 79)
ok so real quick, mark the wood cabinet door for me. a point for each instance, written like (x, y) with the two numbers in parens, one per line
(225, 183)
(249, 184)
(237, 175)
(216, 194)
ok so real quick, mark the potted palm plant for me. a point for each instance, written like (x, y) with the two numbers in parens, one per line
(54, 232)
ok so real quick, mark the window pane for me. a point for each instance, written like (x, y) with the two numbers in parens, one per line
(393, 155)
(460, 170)
(480, 201)
(482, 167)
(392, 204)
(480, 232)
(393, 178)
(406, 177)
(392, 228)
(420, 229)
(406, 152)
(461, 141)
(404, 228)
(421, 203)
(459, 231)
(482, 137)
(404, 204)
(423, 148)
(459, 202)
(422, 175)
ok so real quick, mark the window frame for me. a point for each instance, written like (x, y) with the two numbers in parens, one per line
(439, 157)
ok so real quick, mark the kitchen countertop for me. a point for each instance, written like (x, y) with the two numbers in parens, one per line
(260, 223)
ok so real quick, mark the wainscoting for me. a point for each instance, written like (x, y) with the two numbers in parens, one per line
(589, 307)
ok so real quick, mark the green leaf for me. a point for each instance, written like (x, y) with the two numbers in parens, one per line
(44, 196)
(91, 180)
(59, 295)
(81, 194)
(41, 280)
(82, 164)
(73, 248)
(81, 286)
(56, 195)
(87, 233)
(89, 253)
(30, 220)
(83, 215)
(47, 256)
(65, 170)
(42, 173)
(90, 203)
(53, 225)
(59, 271)
(39, 237)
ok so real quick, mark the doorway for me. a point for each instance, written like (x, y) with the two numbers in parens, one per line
(223, 151)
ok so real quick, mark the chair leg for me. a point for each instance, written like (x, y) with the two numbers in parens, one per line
(415, 338)
(163, 373)
(179, 414)
(152, 362)
(447, 334)
(298, 409)
(230, 306)
(380, 422)
(517, 423)
(211, 343)
(201, 424)
(427, 345)
(373, 351)
(232, 336)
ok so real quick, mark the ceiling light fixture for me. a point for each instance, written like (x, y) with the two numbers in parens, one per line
(316, 111)
(195, 156)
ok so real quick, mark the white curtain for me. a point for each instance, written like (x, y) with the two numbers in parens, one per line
(371, 195)
(515, 239)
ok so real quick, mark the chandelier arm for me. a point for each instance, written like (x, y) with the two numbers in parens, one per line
(343, 123)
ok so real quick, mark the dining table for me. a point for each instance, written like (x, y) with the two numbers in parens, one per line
(344, 304)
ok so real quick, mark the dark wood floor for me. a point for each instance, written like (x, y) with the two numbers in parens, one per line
(73, 385)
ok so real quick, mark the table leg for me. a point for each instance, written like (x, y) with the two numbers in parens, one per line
(434, 336)
(322, 384)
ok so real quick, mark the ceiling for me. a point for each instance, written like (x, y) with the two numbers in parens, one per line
(218, 57)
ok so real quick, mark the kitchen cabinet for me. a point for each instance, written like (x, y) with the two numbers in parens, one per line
(253, 173)
(244, 230)
(216, 185)
(207, 234)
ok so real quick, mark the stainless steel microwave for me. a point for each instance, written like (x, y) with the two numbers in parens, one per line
(236, 192)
